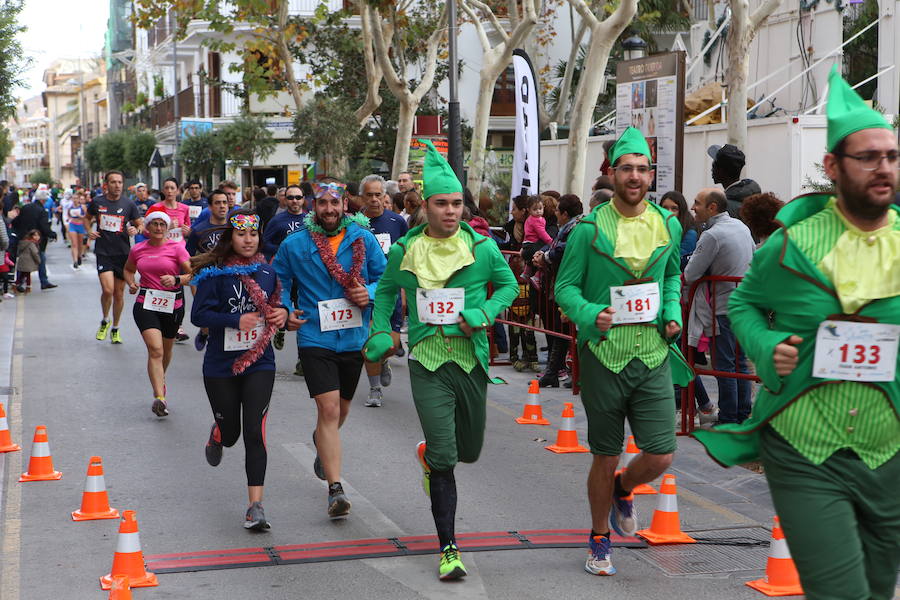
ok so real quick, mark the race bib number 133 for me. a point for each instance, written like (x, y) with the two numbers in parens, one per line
(856, 351)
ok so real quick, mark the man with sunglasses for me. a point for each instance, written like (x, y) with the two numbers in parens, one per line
(818, 313)
(620, 283)
(334, 263)
(282, 225)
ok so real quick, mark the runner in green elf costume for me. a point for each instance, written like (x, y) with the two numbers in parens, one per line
(825, 422)
(620, 283)
(445, 268)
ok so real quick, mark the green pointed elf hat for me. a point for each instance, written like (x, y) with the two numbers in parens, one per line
(847, 112)
(631, 141)
(439, 177)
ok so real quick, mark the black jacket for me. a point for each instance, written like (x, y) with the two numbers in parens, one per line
(266, 209)
(32, 216)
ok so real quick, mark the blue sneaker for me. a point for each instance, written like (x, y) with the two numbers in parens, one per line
(598, 562)
(623, 516)
(200, 341)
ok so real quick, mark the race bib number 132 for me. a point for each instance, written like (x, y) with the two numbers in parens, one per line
(856, 351)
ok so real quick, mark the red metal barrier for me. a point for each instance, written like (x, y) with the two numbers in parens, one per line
(688, 408)
(543, 306)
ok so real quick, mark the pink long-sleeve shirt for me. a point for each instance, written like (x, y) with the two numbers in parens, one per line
(536, 230)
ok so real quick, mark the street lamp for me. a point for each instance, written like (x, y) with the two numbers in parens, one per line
(634, 48)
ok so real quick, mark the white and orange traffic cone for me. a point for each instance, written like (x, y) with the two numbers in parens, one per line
(121, 589)
(128, 559)
(781, 577)
(665, 528)
(40, 466)
(567, 437)
(631, 452)
(532, 414)
(94, 500)
(6, 443)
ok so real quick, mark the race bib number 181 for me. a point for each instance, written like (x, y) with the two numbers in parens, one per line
(856, 351)
(634, 303)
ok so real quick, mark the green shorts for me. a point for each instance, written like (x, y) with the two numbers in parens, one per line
(641, 394)
(452, 410)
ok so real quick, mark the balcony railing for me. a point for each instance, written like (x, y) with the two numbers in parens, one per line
(163, 112)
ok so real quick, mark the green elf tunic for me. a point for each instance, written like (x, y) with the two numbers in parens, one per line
(627, 370)
(448, 370)
(829, 447)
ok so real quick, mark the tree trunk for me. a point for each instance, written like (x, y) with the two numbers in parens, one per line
(480, 131)
(583, 110)
(405, 121)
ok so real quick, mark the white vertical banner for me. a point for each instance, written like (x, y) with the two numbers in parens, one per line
(526, 157)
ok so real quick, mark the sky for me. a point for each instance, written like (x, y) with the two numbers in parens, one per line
(60, 29)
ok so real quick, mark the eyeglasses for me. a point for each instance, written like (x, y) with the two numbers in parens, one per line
(870, 161)
(194, 187)
(293, 197)
(629, 169)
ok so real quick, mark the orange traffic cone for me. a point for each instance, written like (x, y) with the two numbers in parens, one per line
(781, 575)
(40, 467)
(665, 527)
(532, 414)
(6, 443)
(128, 559)
(94, 501)
(567, 437)
(121, 589)
(631, 451)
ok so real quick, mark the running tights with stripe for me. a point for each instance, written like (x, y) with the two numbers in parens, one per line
(247, 396)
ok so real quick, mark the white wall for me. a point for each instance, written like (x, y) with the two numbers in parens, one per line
(780, 154)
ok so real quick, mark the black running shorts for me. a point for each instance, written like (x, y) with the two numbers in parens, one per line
(116, 264)
(326, 371)
(167, 323)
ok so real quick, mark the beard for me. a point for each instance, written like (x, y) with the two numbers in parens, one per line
(858, 199)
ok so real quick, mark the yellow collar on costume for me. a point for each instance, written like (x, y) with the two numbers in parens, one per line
(434, 260)
(637, 237)
(863, 265)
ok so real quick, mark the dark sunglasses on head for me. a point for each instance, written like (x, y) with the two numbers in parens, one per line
(294, 197)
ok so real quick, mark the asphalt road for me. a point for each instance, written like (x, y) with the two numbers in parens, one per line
(95, 399)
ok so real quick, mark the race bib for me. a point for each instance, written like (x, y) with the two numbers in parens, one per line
(159, 301)
(175, 235)
(441, 306)
(237, 339)
(113, 223)
(194, 211)
(856, 351)
(384, 240)
(634, 303)
(339, 313)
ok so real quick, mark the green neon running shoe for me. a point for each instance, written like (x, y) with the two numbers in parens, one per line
(451, 567)
(426, 470)
(103, 331)
(115, 337)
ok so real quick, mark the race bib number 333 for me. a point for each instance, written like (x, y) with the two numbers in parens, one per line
(856, 351)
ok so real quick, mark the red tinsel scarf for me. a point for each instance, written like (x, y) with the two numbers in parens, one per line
(265, 307)
(335, 269)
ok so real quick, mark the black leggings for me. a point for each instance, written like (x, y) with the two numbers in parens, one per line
(250, 394)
